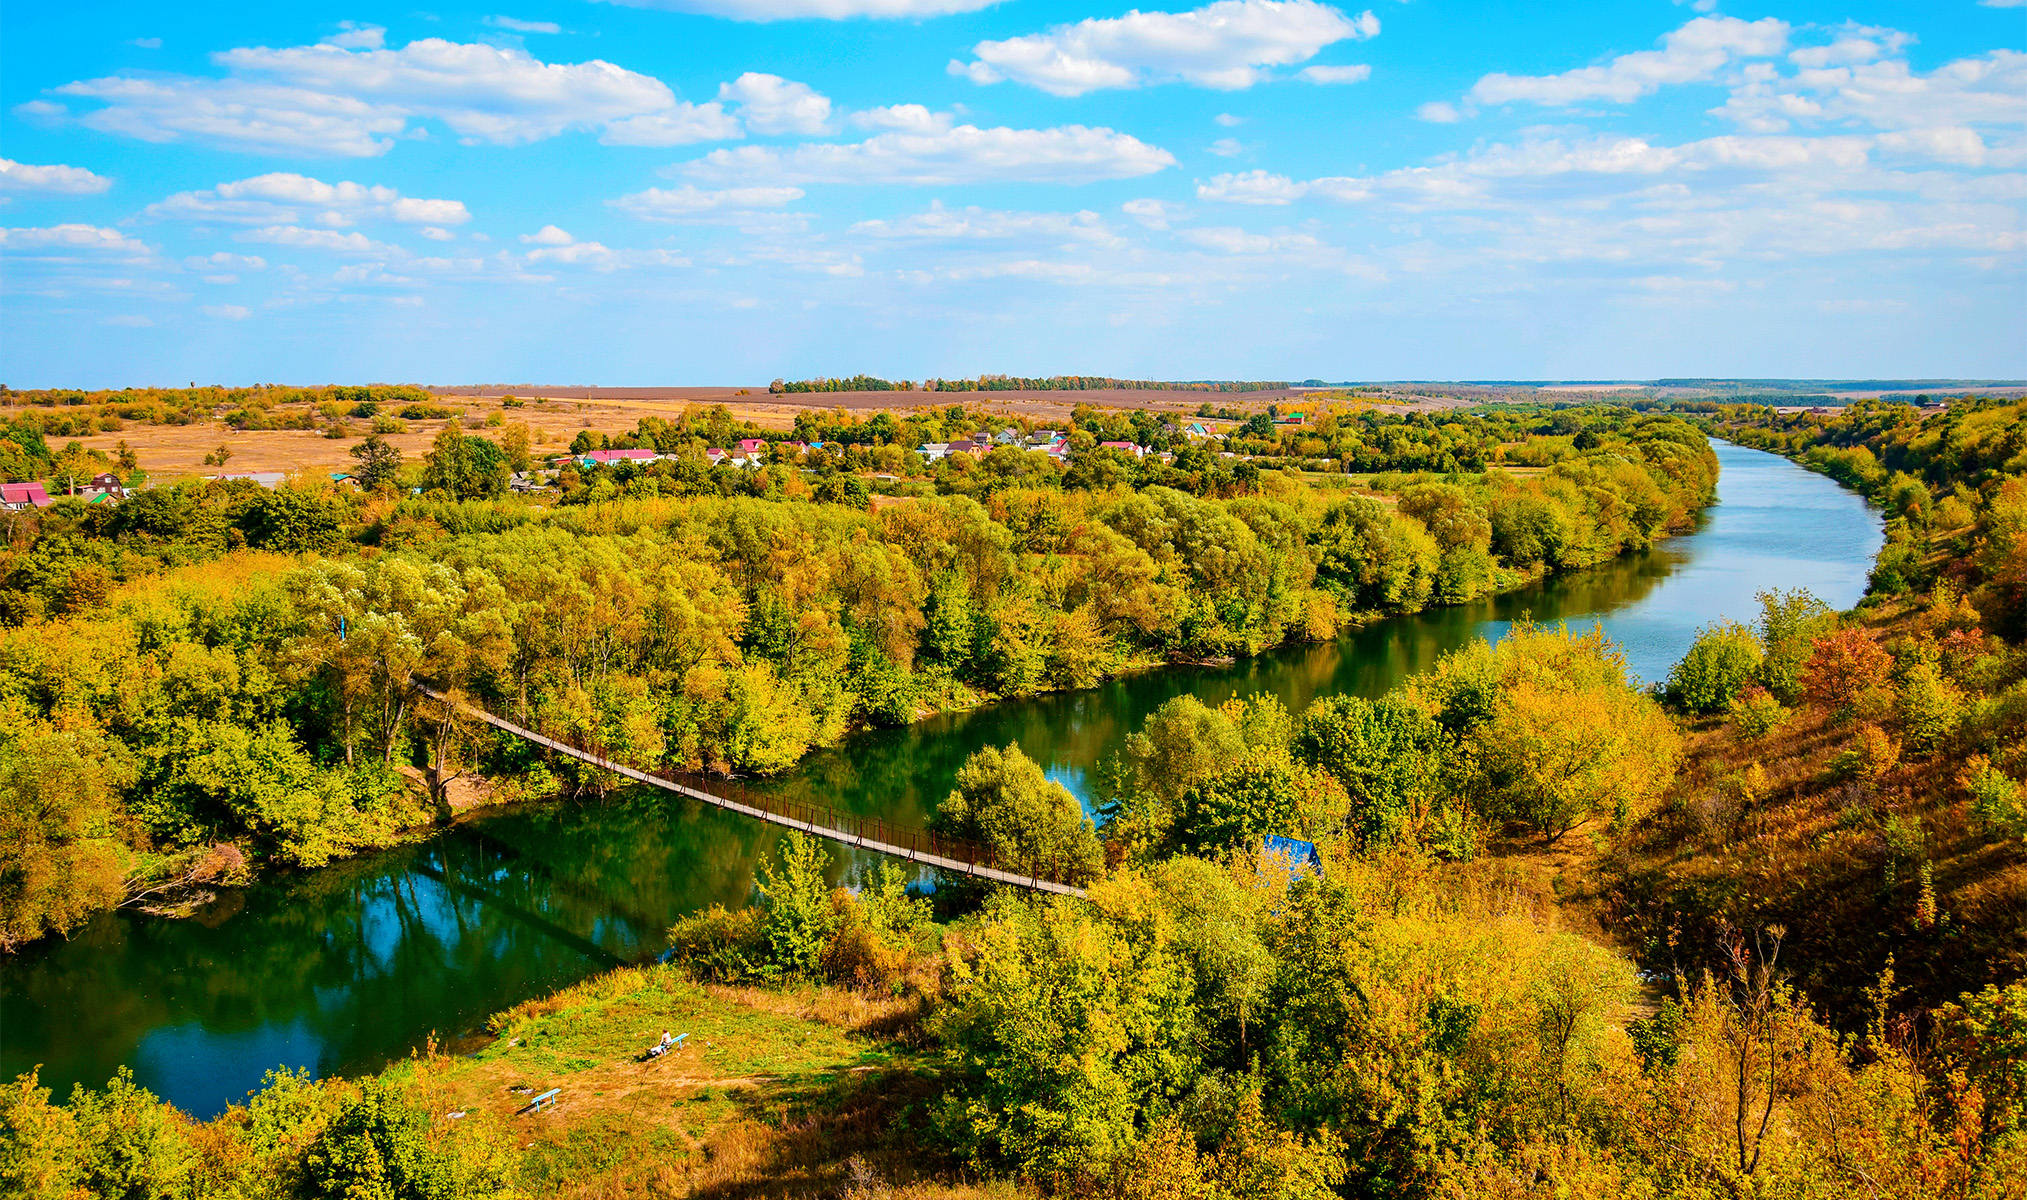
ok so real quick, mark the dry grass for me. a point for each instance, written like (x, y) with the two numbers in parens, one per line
(1833, 859)
(798, 1092)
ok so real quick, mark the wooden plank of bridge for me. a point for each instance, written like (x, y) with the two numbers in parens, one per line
(959, 866)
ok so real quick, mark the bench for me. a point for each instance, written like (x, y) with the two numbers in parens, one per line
(545, 1100)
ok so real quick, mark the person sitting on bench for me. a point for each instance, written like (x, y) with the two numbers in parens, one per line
(662, 1047)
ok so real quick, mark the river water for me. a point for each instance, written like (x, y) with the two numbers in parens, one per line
(343, 968)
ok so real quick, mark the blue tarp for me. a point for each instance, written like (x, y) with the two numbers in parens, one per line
(1299, 856)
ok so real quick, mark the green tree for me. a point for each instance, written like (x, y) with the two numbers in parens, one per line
(378, 463)
(466, 468)
(1031, 823)
(797, 898)
(1389, 754)
(1724, 659)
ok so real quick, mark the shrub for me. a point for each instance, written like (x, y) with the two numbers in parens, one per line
(1725, 658)
(1842, 667)
(1996, 799)
(721, 945)
(1928, 708)
(1755, 713)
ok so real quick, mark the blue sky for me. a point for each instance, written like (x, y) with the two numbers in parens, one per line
(725, 191)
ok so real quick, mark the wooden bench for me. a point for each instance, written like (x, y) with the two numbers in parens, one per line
(545, 1100)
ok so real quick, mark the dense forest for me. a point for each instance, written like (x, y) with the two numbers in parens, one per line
(1755, 932)
(185, 702)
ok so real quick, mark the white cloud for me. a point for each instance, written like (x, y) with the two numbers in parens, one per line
(436, 235)
(690, 203)
(1265, 187)
(1357, 74)
(680, 125)
(1226, 147)
(51, 180)
(975, 224)
(771, 104)
(1226, 44)
(221, 259)
(285, 198)
(907, 118)
(352, 35)
(570, 252)
(1228, 120)
(1154, 214)
(327, 99)
(320, 239)
(130, 321)
(548, 235)
(965, 154)
(1227, 239)
(1697, 51)
(146, 43)
(85, 238)
(2004, 3)
(1439, 112)
(1885, 93)
(516, 25)
(828, 10)
(227, 312)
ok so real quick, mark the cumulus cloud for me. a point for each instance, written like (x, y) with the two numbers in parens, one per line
(1865, 85)
(1265, 187)
(284, 198)
(548, 235)
(1439, 112)
(1227, 44)
(51, 180)
(964, 154)
(356, 99)
(690, 203)
(1153, 214)
(1697, 51)
(1357, 74)
(771, 104)
(1226, 148)
(227, 312)
(682, 124)
(908, 118)
(320, 239)
(973, 224)
(826, 10)
(515, 25)
(58, 239)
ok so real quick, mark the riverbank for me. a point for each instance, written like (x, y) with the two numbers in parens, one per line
(518, 901)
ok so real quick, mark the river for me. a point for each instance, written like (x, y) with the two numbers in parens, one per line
(341, 969)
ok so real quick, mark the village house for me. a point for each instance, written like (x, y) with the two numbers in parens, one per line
(1131, 448)
(19, 497)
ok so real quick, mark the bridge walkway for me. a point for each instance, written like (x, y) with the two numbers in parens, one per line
(851, 829)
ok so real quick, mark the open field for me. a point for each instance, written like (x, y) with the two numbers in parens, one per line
(556, 415)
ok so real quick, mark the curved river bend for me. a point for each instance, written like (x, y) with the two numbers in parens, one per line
(343, 968)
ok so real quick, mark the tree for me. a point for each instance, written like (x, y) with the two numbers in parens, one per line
(1264, 793)
(378, 462)
(1030, 822)
(1390, 756)
(800, 917)
(1067, 1024)
(1842, 667)
(1725, 658)
(514, 443)
(466, 468)
(1180, 743)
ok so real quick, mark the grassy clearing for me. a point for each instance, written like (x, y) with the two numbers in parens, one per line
(800, 1092)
